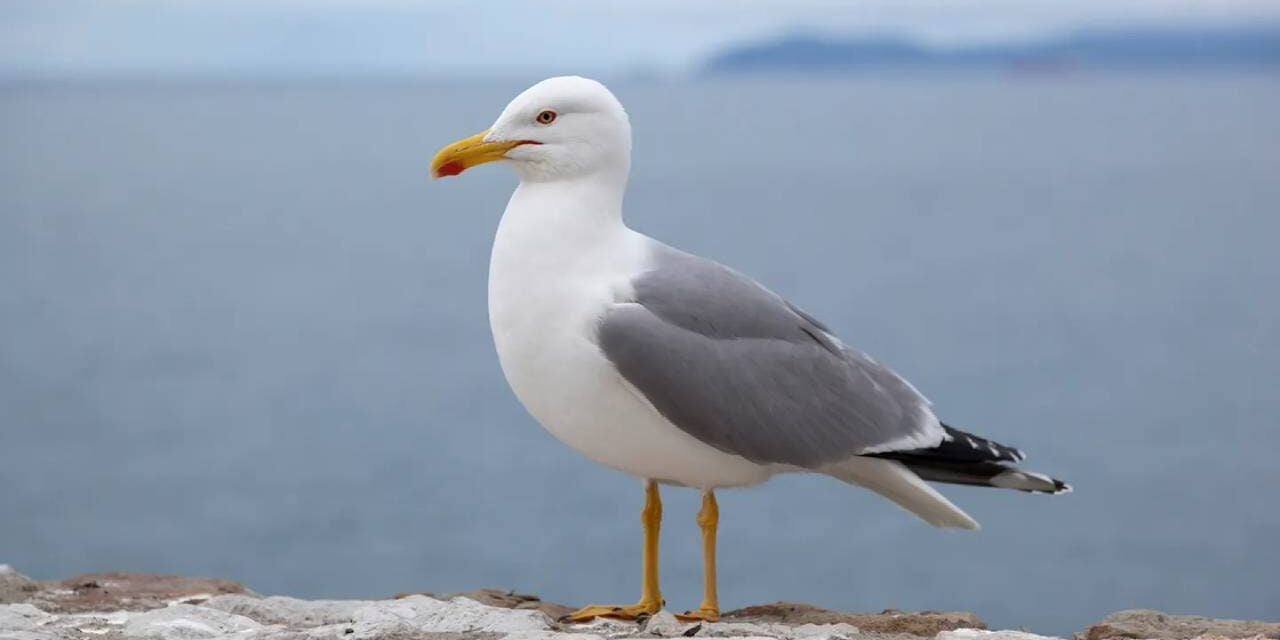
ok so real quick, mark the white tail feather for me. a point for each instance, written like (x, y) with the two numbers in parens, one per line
(894, 481)
(1024, 480)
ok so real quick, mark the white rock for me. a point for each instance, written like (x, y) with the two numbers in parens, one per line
(606, 626)
(22, 617)
(30, 635)
(664, 623)
(824, 631)
(25, 622)
(738, 630)
(808, 631)
(418, 614)
(325, 632)
(189, 622)
(291, 612)
(981, 634)
(95, 624)
(551, 635)
(761, 629)
(239, 617)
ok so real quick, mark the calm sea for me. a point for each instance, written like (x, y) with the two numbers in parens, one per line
(242, 335)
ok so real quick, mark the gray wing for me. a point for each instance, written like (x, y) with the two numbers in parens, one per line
(741, 369)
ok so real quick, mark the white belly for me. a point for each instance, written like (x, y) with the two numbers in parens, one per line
(543, 308)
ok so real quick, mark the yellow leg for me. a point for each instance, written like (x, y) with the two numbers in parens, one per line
(708, 521)
(650, 596)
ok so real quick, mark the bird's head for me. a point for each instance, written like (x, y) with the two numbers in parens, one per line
(561, 128)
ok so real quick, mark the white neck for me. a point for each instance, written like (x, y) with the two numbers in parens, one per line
(556, 220)
(559, 241)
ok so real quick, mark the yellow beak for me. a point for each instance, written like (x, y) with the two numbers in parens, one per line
(469, 152)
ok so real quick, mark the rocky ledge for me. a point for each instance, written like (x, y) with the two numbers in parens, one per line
(111, 606)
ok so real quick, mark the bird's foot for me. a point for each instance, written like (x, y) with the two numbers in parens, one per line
(701, 614)
(637, 611)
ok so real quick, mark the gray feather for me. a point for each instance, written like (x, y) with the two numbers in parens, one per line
(739, 368)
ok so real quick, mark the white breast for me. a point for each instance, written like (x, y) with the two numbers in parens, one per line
(553, 272)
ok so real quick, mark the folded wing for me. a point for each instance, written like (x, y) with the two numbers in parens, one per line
(740, 369)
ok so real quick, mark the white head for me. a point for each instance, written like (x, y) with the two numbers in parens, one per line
(562, 128)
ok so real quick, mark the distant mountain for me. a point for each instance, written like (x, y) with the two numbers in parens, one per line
(1116, 48)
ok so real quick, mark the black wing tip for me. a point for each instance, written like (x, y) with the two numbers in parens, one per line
(962, 446)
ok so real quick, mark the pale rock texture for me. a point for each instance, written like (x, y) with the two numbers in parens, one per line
(664, 624)
(120, 606)
(835, 631)
(15, 587)
(918, 623)
(552, 635)
(290, 612)
(22, 618)
(505, 599)
(189, 622)
(1145, 623)
(420, 613)
(983, 634)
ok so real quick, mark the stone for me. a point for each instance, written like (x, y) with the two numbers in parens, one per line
(30, 635)
(507, 599)
(15, 587)
(1146, 623)
(981, 634)
(607, 627)
(1218, 637)
(99, 625)
(665, 624)
(189, 622)
(551, 635)
(737, 630)
(807, 631)
(812, 631)
(289, 612)
(120, 606)
(919, 623)
(416, 614)
(22, 617)
(128, 591)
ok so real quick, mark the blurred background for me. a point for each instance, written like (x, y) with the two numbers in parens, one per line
(241, 334)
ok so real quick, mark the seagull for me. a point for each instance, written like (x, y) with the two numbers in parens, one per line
(676, 369)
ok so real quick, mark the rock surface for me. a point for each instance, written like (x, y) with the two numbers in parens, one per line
(1145, 623)
(15, 587)
(922, 623)
(111, 591)
(982, 634)
(188, 621)
(116, 606)
(504, 599)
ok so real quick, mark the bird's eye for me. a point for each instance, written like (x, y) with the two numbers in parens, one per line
(546, 116)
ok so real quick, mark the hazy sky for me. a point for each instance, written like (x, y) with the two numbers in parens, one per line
(343, 37)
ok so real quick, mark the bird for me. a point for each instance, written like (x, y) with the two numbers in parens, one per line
(678, 370)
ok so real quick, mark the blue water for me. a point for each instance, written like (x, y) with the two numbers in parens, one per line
(242, 335)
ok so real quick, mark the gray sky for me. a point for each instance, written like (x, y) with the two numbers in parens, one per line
(356, 37)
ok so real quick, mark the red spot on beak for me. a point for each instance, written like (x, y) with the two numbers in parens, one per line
(450, 168)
